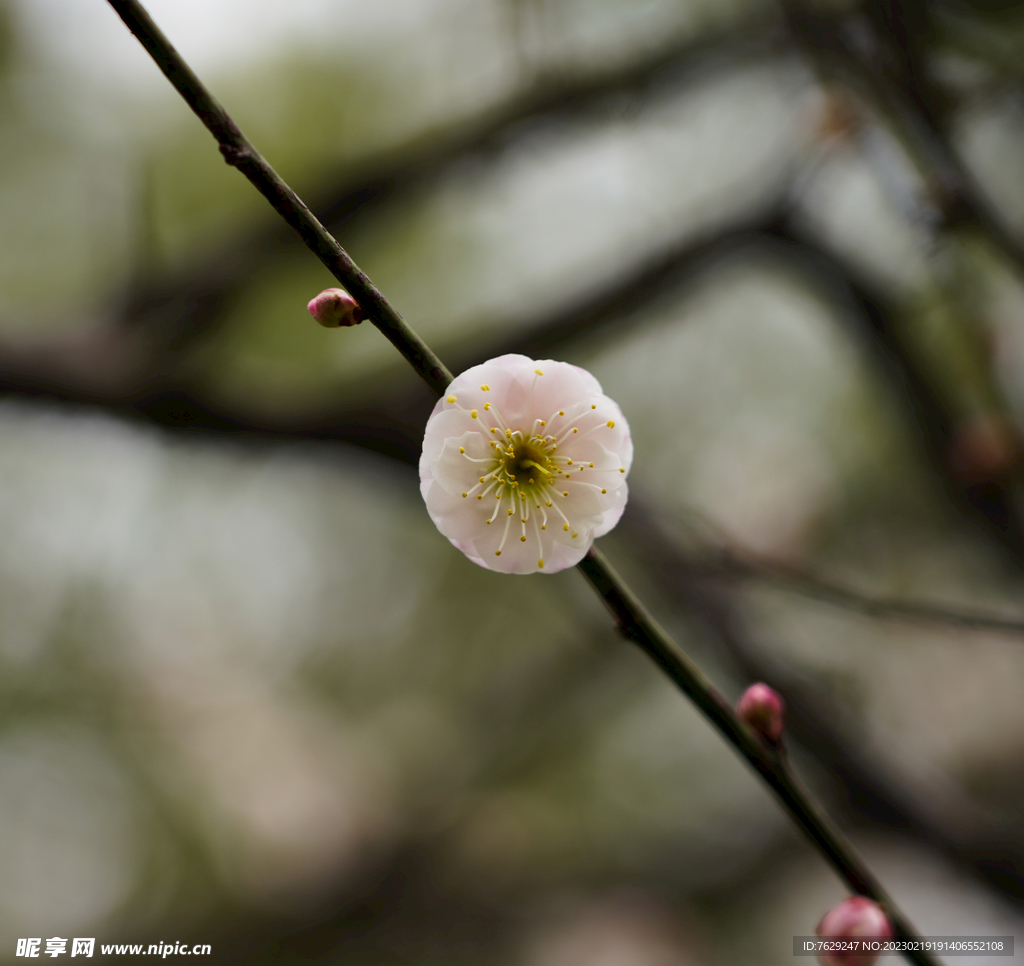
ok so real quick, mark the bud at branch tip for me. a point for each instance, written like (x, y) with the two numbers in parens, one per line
(334, 307)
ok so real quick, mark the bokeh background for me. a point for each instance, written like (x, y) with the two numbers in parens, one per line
(249, 696)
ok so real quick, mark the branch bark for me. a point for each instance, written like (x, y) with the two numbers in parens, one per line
(632, 620)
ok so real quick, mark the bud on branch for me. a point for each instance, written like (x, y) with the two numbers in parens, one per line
(334, 307)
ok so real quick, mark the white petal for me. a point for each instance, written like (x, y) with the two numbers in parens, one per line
(458, 518)
(582, 510)
(446, 424)
(614, 513)
(454, 472)
(561, 387)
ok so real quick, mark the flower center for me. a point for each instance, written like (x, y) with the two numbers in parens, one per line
(526, 464)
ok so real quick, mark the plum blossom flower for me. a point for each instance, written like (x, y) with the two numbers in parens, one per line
(524, 463)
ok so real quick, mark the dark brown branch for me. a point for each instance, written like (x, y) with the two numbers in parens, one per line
(115, 370)
(987, 500)
(239, 152)
(384, 425)
(180, 306)
(729, 563)
(949, 821)
(911, 112)
(632, 620)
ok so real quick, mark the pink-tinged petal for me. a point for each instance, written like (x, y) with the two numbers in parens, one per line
(449, 424)
(455, 517)
(454, 469)
(614, 513)
(561, 386)
(491, 414)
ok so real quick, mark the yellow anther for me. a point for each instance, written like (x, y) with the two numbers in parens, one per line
(591, 465)
(485, 387)
(510, 513)
(522, 539)
(540, 563)
(622, 469)
(479, 496)
(561, 412)
(543, 526)
(565, 492)
(547, 503)
(575, 535)
(452, 398)
(493, 430)
(462, 449)
(539, 373)
(483, 479)
(464, 495)
(474, 413)
(543, 423)
(488, 521)
(575, 430)
(508, 434)
(487, 406)
(569, 462)
(565, 527)
(593, 405)
(568, 476)
(497, 553)
(603, 490)
(611, 424)
(522, 519)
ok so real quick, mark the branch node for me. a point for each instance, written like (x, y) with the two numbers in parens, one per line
(235, 154)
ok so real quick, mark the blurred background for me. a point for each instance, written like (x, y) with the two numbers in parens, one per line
(249, 696)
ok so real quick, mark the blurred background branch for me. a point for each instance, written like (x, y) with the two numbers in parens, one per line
(816, 345)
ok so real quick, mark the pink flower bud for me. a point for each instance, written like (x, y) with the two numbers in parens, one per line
(334, 307)
(762, 708)
(856, 917)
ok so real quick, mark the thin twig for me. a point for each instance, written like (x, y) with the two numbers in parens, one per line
(238, 151)
(947, 819)
(636, 625)
(183, 304)
(632, 619)
(718, 558)
(802, 581)
(959, 200)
